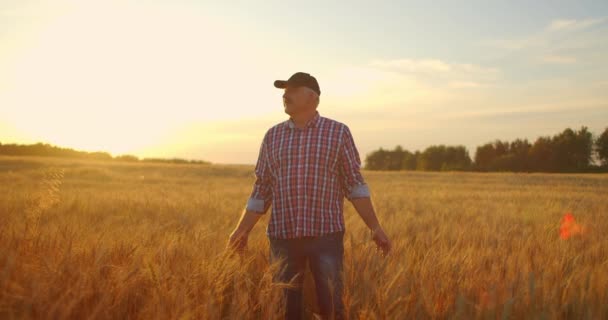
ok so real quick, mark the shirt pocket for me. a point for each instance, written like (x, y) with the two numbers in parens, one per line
(283, 157)
(326, 155)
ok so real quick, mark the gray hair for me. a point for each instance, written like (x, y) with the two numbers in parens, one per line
(314, 94)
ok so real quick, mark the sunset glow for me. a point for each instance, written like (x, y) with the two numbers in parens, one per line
(194, 80)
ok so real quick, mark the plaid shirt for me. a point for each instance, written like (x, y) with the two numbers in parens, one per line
(305, 173)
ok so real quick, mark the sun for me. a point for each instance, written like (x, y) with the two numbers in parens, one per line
(121, 78)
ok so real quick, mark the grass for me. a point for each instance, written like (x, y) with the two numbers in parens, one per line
(85, 239)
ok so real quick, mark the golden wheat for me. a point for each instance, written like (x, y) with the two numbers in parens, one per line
(84, 239)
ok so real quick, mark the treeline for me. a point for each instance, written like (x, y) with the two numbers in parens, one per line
(47, 150)
(568, 151)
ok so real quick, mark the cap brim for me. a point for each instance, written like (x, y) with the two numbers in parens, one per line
(281, 84)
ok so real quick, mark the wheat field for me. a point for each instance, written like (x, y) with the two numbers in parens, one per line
(100, 240)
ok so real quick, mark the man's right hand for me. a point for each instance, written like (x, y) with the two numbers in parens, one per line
(238, 241)
(381, 240)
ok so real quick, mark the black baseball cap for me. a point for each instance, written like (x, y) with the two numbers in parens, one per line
(299, 79)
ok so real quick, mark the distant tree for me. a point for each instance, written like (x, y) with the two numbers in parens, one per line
(542, 155)
(376, 160)
(567, 151)
(601, 147)
(510, 156)
(178, 160)
(441, 157)
(431, 158)
(456, 158)
(410, 160)
(572, 150)
(127, 157)
(174, 160)
(100, 156)
(502, 156)
(386, 159)
(484, 156)
(200, 162)
(395, 158)
(47, 150)
(501, 148)
(519, 151)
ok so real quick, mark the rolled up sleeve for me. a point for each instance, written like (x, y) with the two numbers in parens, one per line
(261, 195)
(352, 181)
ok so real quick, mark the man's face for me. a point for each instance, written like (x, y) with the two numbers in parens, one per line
(297, 100)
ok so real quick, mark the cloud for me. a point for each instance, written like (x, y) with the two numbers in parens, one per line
(560, 43)
(532, 110)
(552, 35)
(600, 84)
(394, 85)
(557, 59)
(385, 106)
(411, 65)
(432, 66)
(465, 84)
(438, 73)
(572, 24)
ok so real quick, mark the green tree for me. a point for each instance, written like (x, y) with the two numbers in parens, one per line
(441, 157)
(484, 156)
(431, 158)
(377, 160)
(573, 150)
(601, 147)
(542, 155)
(410, 160)
(395, 158)
(456, 158)
(387, 159)
(519, 151)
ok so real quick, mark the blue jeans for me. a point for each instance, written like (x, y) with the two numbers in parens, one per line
(324, 255)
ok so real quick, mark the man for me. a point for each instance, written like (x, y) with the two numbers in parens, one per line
(306, 166)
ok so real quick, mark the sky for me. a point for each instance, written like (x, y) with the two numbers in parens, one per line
(193, 79)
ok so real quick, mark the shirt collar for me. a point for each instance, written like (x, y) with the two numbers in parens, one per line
(310, 124)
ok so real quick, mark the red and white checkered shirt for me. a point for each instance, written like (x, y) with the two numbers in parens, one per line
(305, 173)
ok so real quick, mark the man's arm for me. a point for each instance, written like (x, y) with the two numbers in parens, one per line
(365, 209)
(357, 192)
(238, 237)
(247, 222)
(258, 203)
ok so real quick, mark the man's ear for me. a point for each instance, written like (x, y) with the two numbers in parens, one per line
(312, 97)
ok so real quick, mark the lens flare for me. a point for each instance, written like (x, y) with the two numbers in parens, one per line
(569, 227)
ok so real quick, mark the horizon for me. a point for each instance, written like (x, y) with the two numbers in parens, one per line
(158, 81)
(594, 156)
